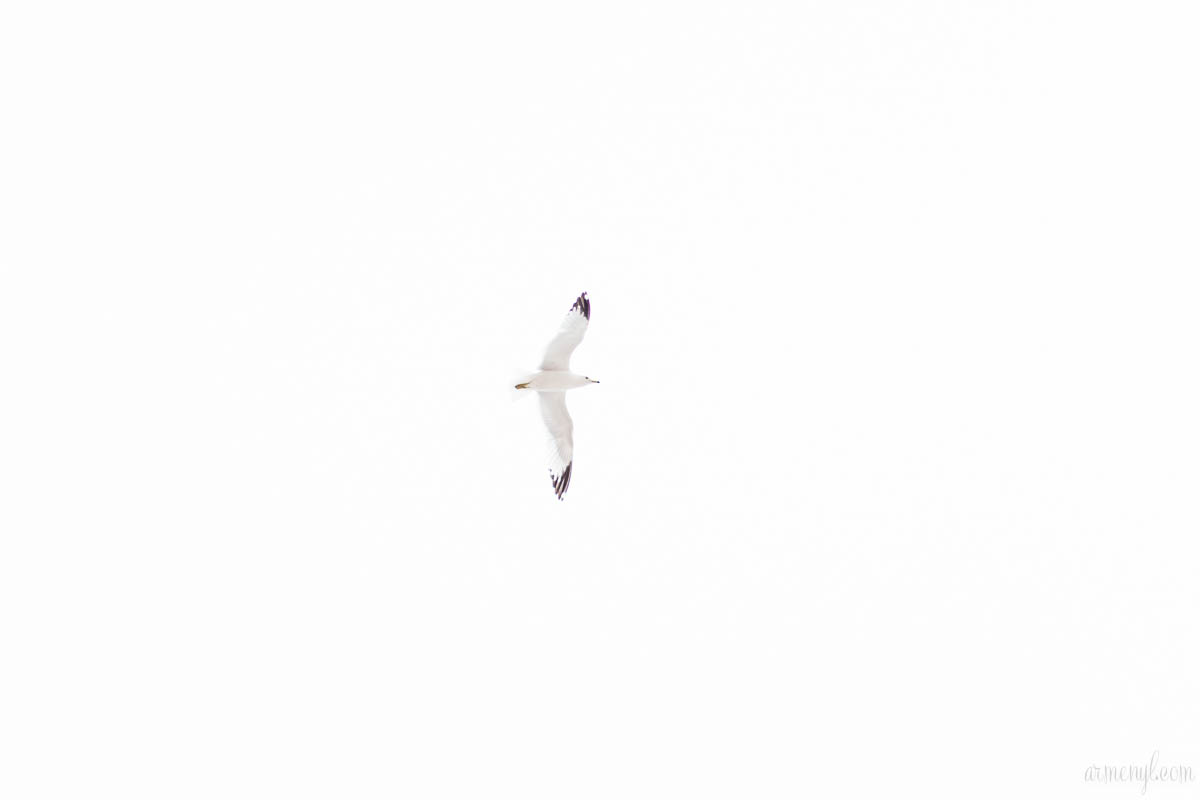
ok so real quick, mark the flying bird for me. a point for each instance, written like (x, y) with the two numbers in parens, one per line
(551, 382)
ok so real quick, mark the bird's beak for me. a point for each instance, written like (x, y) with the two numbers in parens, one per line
(593, 381)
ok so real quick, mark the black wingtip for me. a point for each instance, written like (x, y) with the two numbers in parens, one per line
(561, 482)
(584, 305)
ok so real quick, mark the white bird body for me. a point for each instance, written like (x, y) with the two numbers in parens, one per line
(556, 380)
(551, 382)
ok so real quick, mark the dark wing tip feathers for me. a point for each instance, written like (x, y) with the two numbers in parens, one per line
(583, 305)
(562, 481)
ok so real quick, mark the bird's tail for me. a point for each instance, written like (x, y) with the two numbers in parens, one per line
(519, 376)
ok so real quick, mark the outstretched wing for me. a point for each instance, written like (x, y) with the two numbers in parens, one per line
(558, 422)
(558, 353)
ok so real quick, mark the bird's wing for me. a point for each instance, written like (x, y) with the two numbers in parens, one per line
(558, 422)
(558, 352)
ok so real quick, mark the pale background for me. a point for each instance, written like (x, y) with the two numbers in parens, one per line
(889, 486)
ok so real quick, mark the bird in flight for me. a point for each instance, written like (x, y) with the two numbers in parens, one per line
(551, 382)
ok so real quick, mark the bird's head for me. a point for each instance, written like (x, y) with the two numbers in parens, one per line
(589, 380)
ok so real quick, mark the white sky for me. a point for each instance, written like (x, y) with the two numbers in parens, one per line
(889, 486)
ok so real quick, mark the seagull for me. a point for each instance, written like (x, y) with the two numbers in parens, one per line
(551, 382)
